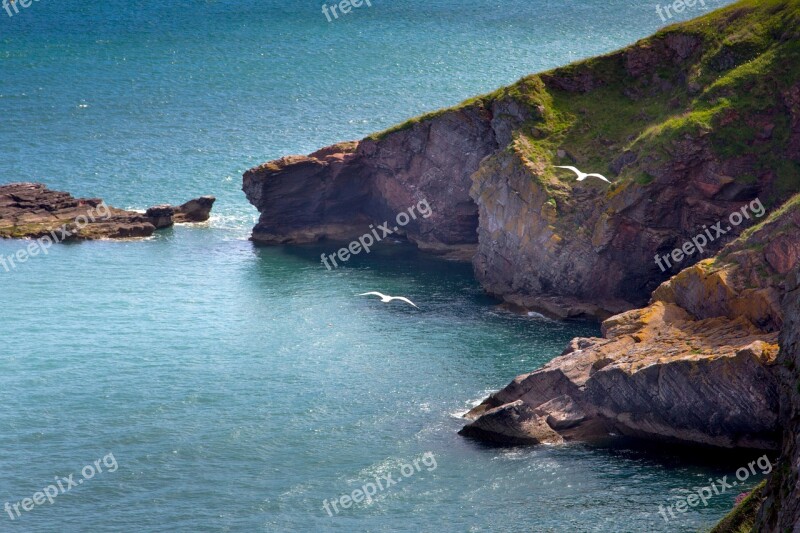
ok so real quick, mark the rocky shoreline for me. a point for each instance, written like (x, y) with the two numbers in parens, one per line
(32, 211)
(691, 125)
(696, 366)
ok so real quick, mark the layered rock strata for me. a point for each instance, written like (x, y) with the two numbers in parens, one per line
(31, 210)
(697, 366)
(670, 120)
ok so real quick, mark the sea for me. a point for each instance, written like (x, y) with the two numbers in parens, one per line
(194, 381)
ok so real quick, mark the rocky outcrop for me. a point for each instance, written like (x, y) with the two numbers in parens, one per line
(780, 511)
(31, 210)
(197, 210)
(695, 366)
(161, 216)
(337, 192)
(691, 125)
(667, 120)
(657, 374)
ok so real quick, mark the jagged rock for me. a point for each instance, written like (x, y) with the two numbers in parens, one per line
(625, 159)
(696, 366)
(31, 210)
(658, 374)
(161, 216)
(513, 423)
(197, 210)
(337, 192)
(780, 511)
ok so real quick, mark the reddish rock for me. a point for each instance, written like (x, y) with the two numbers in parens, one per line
(31, 210)
(780, 511)
(161, 215)
(696, 366)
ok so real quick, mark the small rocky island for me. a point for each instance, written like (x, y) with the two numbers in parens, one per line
(31, 210)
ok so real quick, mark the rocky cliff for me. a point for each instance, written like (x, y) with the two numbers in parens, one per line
(695, 366)
(780, 511)
(338, 191)
(690, 125)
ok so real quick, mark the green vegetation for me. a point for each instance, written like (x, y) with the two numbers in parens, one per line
(736, 64)
(743, 517)
(477, 101)
(791, 204)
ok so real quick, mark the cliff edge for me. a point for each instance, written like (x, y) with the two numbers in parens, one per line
(689, 125)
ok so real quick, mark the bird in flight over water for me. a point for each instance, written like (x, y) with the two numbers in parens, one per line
(386, 299)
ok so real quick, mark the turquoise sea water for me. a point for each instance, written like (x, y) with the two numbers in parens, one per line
(239, 387)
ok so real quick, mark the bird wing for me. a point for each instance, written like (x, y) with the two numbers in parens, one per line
(599, 176)
(403, 299)
(575, 170)
(373, 293)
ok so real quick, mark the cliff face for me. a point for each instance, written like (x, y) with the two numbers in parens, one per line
(690, 125)
(339, 191)
(697, 365)
(780, 511)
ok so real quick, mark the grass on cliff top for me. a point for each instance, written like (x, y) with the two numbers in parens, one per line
(737, 74)
(743, 517)
(748, 54)
(523, 91)
(480, 101)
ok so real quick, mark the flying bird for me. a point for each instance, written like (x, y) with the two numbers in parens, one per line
(386, 299)
(582, 175)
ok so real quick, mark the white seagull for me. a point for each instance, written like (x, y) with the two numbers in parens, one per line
(386, 299)
(582, 175)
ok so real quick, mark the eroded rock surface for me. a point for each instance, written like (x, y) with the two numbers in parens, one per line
(780, 511)
(337, 192)
(197, 210)
(662, 119)
(31, 210)
(698, 365)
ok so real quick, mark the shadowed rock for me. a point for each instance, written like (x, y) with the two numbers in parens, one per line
(697, 366)
(197, 210)
(780, 511)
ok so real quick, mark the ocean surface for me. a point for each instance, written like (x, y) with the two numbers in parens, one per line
(221, 386)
